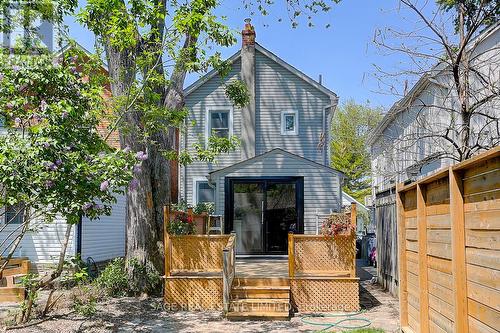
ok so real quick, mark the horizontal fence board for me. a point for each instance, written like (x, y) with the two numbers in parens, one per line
(412, 267)
(413, 279)
(412, 256)
(485, 220)
(411, 222)
(439, 236)
(482, 294)
(440, 250)
(482, 183)
(440, 264)
(442, 293)
(412, 234)
(440, 320)
(481, 206)
(440, 278)
(438, 209)
(484, 314)
(441, 306)
(441, 221)
(483, 257)
(478, 327)
(412, 246)
(485, 276)
(486, 239)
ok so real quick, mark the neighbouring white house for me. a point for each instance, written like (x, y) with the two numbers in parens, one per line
(413, 139)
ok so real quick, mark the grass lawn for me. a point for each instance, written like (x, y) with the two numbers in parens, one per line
(366, 330)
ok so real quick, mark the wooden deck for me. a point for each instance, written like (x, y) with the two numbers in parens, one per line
(262, 267)
(318, 275)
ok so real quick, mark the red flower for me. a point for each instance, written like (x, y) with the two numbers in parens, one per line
(190, 219)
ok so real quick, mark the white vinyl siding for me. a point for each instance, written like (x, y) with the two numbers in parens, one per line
(104, 239)
(322, 188)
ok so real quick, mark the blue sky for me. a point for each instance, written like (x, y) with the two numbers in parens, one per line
(343, 54)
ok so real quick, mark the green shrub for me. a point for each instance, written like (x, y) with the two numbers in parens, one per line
(181, 225)
(113, 280)
(85, 300)
(152, 278)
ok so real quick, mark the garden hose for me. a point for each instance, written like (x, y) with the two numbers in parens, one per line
(306, 319)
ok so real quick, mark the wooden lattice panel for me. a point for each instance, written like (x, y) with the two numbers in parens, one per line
(193, 293)
(316, 254)
(197, 252)
(325, 294)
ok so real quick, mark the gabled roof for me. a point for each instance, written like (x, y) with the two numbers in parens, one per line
(274, 58)
(348, 198)
(271, 152)
(422, 84)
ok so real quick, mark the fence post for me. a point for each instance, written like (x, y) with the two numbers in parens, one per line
(402, 279)
(422, 259)
(291, 255)
(166, 239)
(458, 251)
(354, 224)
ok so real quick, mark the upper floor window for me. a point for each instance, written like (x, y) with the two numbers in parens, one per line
(219, 122)
(203, 192)
(289, 123)
(14, 214)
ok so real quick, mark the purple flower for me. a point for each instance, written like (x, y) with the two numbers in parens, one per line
(49, 183)
(137, 168)
(134, 183)
(43, 105)
(87, 206)
(37, 117)
(16, 68)
(141, 156)
(104, 185)
(73, 70)
(97, 206)
(64, 115)
(55, 62)
(9, 105)
(17, 120)
(51, 166)
(74, 58)
(46, 145)
(102, 154)
(58, 162)
(126, 150)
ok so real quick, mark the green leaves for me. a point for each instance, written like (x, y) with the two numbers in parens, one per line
(53, 159)
(351, 125)
(237, 92)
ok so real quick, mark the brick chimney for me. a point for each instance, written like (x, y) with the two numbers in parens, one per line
(248, 34)
(248, 77)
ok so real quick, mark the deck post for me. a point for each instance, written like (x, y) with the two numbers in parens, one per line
(291, 255)
(354, 223)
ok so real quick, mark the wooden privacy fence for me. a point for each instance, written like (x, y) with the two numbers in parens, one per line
(322, 271)
(449, 248)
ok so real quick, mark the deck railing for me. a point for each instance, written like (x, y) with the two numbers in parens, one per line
(322, 255)
(228, 270)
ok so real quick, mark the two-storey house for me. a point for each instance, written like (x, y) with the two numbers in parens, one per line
(279, 178)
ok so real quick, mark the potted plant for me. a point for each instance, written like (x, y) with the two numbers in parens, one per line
(337, 224)
(182, 224)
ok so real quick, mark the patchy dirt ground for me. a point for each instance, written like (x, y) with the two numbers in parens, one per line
(133, 315)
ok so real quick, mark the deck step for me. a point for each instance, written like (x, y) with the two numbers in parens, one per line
(260, 305)
(260, 281)
(264, 315)
(274, 292)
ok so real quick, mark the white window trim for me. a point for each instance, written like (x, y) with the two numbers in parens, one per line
(296, 127)
(207, 119)
(195, 188)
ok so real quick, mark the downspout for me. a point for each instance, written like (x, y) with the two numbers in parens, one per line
(79, 232)
(185, 165)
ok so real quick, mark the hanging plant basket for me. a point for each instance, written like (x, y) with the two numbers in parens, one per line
(338, 224)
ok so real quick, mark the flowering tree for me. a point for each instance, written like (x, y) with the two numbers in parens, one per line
(53, 162)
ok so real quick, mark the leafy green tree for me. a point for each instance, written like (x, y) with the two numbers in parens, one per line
(53, 161)
(350, 127)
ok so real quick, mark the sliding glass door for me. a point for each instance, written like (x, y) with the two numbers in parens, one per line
(262, 211)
